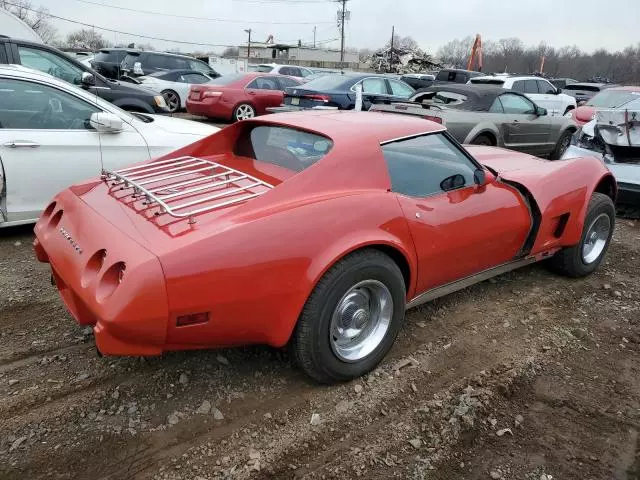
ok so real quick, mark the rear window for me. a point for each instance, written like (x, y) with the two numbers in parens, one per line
(487, 81)
(285, 147)
(264, 68)
(228, 79)
(582, 88)
(327, 82)
(114, 56)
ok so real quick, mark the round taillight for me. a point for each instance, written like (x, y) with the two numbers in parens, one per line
(110, 280)
(93, 267)
(55, 219)
(49, 210)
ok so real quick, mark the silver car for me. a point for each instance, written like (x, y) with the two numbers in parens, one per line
(488, 115)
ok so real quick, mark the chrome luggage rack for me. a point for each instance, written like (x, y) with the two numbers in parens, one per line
(169, 183)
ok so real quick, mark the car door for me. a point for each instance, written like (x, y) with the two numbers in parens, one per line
(45, 144)
(550, 96)
(523, 129)
(264, 92)
(458, 227)
(399, 90)
(374, 90)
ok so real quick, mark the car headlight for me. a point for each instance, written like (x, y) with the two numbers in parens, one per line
(159, 99)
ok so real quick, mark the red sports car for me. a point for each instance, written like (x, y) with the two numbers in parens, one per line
(614, 97)
(239, 97)
(313, 229)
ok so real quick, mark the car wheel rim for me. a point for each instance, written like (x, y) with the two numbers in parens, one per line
(361, 320)
(244, 112)
(596, 238)
(565, 144)
(172, 101)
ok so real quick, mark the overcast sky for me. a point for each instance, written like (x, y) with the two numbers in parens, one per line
(590, 24)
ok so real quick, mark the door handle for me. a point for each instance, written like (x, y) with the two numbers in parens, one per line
(21, 144)
(251, 93)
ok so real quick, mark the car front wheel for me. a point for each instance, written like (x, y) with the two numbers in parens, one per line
(585, 257)
(351, 319)
(172, 99)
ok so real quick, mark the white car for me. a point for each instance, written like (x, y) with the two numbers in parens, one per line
(54, 134)
(541, 91)
(288, 70)
(174, 85)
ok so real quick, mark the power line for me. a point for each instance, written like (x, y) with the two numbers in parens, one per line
(173, 15)
(118, 31)
(284, 2)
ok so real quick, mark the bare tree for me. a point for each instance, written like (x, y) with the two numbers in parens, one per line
(86, 38)
(456, 52)
(36, 18)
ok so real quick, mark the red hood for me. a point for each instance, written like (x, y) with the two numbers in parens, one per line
(583, 114)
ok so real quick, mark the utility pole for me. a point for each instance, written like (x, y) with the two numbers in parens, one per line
(393, 34)
(314, 36)
(248, 45)
(343, 15)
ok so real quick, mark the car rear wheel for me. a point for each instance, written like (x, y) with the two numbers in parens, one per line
(243, 111)
(172, 99)
(563, 144)
(484, 140)
(351, 319)
(585, 257)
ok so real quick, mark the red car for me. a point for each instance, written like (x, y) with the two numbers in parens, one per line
(614, 97)
(239, 97)
(313, 229)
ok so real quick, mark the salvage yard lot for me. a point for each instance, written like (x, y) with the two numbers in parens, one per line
(554, 361)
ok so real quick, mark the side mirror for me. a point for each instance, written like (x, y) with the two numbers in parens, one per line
(104, 122)
(482, 178)
(452, 183)
(541, 112)
(87, 80)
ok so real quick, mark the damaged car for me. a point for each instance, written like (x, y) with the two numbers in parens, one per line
(613, 136)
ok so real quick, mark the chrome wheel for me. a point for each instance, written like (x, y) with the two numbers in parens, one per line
(244, 111)
(361, 320)
(564, 144)
(596, 238)
(172, 99)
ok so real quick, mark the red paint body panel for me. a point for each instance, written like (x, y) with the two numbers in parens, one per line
(252, 266)
(232, 95)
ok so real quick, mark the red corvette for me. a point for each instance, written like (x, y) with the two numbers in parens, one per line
(239, 97)
(313, 229)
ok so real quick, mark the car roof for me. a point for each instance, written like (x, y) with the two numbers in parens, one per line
(587, 84)
(464, 89)
(345, 125)
(509, 77)
(116, 49)
(630, 88)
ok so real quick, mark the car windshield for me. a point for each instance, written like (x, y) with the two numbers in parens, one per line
(264, 68)
(613, 98)
(327, 82)
(286, 147)
(130, 59)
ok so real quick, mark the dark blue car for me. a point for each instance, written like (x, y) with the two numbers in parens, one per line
(339, 91)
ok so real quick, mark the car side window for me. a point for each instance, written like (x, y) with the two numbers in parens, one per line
(32, 106)
(545, 87)
(419, 167)
(515, 104)
(199, 66)
(399, 89)
(195, 78)
(305, 72)
(264, 83)
(531, 86)
(287, 82)
(50, 63)
(496, 106)
(518, 86)
(374, 86)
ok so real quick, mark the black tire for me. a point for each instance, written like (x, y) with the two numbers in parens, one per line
(311, 345)
(563, 143)
(172, 100)
(569, 261)
(237, 112)
(484, 140)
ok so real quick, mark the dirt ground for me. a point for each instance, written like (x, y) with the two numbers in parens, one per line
(527, 376)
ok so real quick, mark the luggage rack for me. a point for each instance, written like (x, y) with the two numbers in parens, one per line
(168, 184)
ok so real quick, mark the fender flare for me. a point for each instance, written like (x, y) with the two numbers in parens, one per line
(484, 128)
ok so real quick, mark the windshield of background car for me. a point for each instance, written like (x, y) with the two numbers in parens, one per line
(227, 79)
(130, 59)
(613, 98)
(327, 83)
(286, 147)
(264, 68)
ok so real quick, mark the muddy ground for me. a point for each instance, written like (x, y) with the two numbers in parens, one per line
(527, 376)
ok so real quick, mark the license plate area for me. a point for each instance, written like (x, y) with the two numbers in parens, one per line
(295, 101)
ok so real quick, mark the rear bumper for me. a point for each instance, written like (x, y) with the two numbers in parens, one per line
(210, 107)
(128, 310)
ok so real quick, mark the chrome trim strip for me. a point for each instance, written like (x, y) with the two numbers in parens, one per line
(413, 135)
(468, 281)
